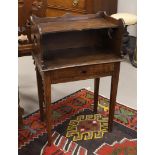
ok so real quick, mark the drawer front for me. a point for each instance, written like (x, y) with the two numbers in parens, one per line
(68, 4)
(81, 73)
(51, 12)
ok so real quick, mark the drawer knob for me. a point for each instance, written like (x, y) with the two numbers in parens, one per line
(75, 2)
(84, 71)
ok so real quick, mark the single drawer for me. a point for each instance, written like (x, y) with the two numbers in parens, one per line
(81, 73)
(67, 4)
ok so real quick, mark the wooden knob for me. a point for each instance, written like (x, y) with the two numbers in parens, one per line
(84, 71)
(75, 2)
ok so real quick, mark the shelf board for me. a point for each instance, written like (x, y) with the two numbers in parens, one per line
(79, 57)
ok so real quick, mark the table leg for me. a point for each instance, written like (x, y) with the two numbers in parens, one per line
(47, 100)
(113, 94)
(20, 115)
(40, 94)
(96, 92)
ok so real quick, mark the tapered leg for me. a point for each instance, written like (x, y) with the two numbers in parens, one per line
(40, 94)
(96, 92)
(47, 100)
(113, 94)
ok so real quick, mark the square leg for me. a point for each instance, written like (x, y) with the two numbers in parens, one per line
(96, 92)
(113, 94)
(40, 94)
(47, 100)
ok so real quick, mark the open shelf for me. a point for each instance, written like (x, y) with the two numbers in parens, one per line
(71, 41)
(79, 57)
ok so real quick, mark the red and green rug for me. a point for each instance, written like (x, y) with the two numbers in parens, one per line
(77, 131)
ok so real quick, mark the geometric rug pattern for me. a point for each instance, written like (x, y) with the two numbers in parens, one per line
(76, 130)
(124, 147)
(86, 127)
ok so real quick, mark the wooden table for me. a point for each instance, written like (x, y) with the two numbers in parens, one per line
(76, 48)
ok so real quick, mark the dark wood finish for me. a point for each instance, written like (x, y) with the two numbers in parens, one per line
(96, 92)
(40, 94)
(58, 29)
(113, 94)
(25, 49)
(25, 46)
(81, 72)
(42, 8)
(112, 6)
(25, 9)
(84, 51)
(47, 100)
(59, 7)
(20, 114)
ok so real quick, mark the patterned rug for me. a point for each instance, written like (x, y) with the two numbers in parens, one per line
(77, 131)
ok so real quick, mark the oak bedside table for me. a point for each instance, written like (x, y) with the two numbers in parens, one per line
(71, 48)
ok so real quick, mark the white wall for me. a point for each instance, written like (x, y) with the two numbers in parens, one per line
(129, 6)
